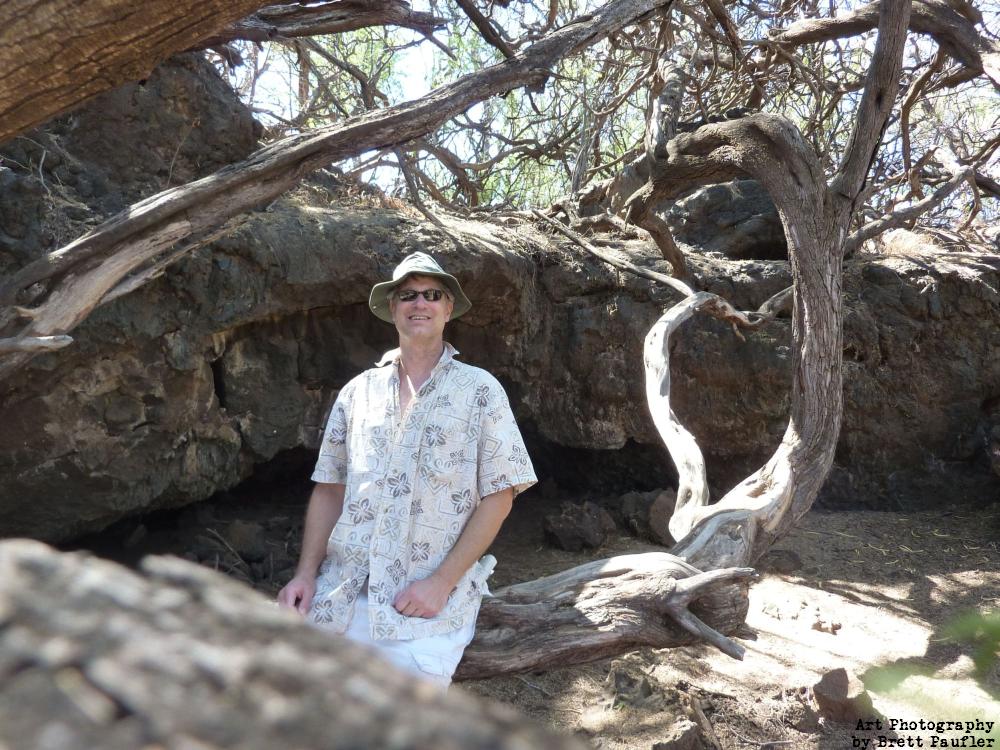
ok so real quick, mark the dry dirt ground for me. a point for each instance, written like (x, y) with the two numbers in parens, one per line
(857, 590)
(849, 589)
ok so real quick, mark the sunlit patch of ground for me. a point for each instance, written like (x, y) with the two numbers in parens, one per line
(868, 590)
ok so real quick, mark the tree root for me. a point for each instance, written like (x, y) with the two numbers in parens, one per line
(605, 608)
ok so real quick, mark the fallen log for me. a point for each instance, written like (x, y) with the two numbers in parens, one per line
(93, 655)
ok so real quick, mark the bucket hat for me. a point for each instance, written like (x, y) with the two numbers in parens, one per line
(416, 264)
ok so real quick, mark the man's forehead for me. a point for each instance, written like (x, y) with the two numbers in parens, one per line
(421, 282)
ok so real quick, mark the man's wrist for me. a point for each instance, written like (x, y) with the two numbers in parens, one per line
(307, 569)
(442, 578)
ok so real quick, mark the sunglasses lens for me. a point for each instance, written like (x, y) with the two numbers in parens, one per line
(409, 295)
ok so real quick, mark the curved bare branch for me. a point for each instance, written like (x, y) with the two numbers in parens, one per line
(955, 33)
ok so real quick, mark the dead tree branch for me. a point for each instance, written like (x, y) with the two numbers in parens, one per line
(955, 33)
(481, 22)
(604, 608)
(293, 21)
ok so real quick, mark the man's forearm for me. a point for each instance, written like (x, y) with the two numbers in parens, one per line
(325, 506)
(476, 537)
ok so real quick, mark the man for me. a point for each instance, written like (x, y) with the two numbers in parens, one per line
(420, 462)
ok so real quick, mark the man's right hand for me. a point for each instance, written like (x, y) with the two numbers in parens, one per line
(298, 593)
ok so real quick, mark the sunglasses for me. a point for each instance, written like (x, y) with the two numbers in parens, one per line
(431, 295)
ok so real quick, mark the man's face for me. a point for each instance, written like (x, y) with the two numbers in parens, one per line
(420, 318)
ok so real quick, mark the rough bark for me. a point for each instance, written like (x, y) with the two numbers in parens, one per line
(95, 656)
(605, 608)
(91, 267)
(336, 17)
(56, 53)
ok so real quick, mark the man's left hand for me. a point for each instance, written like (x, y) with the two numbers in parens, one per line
(423, 598)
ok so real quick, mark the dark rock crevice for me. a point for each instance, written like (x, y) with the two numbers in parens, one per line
(219, 382)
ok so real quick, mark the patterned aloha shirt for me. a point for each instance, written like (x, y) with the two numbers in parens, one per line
(411, 486)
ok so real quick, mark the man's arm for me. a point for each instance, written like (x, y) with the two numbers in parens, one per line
(325, 506)
(427, 597)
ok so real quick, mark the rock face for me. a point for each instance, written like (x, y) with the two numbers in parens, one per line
(578, 527)
(737, 219)
(179, 389)
(182, 123)
(93, 655)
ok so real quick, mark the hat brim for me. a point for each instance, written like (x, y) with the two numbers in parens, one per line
(378, 300)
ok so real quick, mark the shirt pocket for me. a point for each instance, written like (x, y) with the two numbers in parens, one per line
(370, 447)
(451, 446)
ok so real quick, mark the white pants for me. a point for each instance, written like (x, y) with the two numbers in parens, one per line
(433, 658)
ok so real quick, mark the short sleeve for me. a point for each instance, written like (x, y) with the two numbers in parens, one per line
(503, 459)
(331, 466)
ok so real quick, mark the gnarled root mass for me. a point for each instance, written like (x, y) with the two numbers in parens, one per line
(604, 608)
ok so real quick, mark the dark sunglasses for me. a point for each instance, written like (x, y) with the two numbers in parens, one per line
(409, 295)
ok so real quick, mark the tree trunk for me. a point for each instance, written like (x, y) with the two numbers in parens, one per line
(738, 529)
(56, 54)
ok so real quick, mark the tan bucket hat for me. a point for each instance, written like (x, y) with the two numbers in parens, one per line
(416, 264)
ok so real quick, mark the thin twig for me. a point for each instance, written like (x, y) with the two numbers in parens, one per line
(539, 688)
(170, 170)
(229, 547)
(41, 177)
(624, 265)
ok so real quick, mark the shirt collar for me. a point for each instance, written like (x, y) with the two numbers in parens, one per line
(392, 356)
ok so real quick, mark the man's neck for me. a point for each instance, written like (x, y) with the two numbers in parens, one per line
(419, 358)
